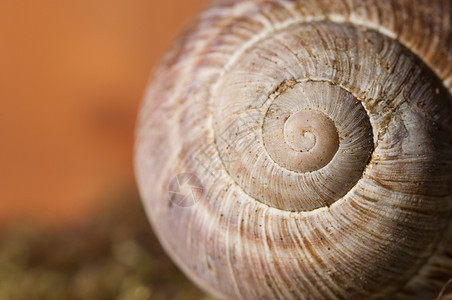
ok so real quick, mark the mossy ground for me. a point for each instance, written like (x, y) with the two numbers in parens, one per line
(114, 256)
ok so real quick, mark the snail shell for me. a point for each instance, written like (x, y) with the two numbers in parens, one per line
(317, 140)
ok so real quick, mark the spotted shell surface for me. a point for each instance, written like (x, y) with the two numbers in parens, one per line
(303, 149)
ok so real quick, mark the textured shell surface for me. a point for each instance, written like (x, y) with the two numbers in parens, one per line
(303, 149)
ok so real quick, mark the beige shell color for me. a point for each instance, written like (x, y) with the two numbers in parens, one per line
(313, 140)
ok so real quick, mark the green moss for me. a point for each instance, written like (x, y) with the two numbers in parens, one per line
(116, 256)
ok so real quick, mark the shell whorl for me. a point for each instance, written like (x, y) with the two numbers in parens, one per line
(320, 135)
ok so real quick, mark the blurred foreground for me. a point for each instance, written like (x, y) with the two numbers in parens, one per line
(116, 256)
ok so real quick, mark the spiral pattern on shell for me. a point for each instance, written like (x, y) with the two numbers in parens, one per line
(319, 134)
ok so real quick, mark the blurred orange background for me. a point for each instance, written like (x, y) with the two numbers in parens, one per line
(72, 75)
